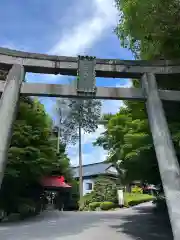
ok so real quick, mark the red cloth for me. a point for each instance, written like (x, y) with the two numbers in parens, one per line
(54, 181)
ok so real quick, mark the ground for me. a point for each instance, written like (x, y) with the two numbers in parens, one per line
(124, 224)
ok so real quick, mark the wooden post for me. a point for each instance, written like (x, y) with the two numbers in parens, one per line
(165, 152)
(8, 109)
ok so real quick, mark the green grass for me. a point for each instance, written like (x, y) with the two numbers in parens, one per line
(132, 199)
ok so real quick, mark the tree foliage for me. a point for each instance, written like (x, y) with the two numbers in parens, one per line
(83, 112)
(32, 154)
(105, 190)
(151, 30)
(128, 139)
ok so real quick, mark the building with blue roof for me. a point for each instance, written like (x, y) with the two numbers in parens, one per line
(92, 171)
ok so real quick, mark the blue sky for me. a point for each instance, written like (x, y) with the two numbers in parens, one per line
(66, 28)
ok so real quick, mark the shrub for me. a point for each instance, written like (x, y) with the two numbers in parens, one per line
(107, 205)
(2, 214)
(131, 199)
(94, 205)
(160, 203)
(86, 200)
(81, 208)
(105, 190)
(26, 208)
(86, 208)
(74, 196)
(136, 189)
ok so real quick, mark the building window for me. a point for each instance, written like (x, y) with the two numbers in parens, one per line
(89, 186)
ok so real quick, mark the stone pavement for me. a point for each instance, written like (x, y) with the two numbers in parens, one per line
(124, 224)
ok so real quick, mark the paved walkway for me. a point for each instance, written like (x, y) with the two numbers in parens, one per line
(125, 224)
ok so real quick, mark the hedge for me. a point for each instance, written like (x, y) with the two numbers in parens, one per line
(86, 200)
(107, 205)
(132, 199)
(90, 203)
(94, 205)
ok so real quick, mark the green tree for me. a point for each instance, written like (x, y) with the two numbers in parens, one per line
(32, 154)
(72, 113)
(105, 189)
(150, 30)
(73, 116)
(128, 139)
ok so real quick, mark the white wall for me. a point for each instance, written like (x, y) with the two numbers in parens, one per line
(85, 181)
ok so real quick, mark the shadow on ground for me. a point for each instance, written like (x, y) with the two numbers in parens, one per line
(145, 224)
(138, 223)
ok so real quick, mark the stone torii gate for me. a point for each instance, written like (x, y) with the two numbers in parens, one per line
(18, 63)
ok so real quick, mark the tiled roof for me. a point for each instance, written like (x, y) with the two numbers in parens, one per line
(92, 169)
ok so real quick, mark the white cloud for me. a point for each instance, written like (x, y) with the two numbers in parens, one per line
(12, 46)
(91, 137)
(79, 40)
(9, 45)
(128, 84)
(84, 35)
(97, 155)
(113, 106)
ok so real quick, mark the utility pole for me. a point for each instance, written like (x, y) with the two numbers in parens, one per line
(58, 139)
(100, 122)
(61, 111)
(80, 166)
(80, 153)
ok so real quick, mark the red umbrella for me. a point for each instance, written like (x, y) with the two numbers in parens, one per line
(54, 181)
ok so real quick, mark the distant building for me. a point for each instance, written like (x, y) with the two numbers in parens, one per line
(92, 171)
